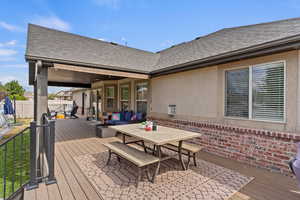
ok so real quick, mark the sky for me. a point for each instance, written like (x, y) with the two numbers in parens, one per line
(145, 24)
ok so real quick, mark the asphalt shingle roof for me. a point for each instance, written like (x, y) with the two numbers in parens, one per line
(44, 42)
(48, 43)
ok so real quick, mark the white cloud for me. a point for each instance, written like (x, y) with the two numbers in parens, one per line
(9, 43)
(115, 4)
(52, 22)
(13, 65)
(5, 79)
(10, 27)
(7, 52)
(102, 39)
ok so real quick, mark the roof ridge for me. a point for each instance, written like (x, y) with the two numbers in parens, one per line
(189, 41)
(263, 23)
(229, 28)
(89, 38)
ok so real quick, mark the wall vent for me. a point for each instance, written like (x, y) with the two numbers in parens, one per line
(172, 110)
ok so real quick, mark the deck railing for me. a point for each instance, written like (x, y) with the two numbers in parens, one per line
(27, 159)
(15, 164)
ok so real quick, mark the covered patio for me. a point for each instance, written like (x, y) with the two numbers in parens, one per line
(119, 77)
(75, 138)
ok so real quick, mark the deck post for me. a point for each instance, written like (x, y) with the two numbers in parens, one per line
(97, 106)
(82, 101)
(41, 84)
(34, 100)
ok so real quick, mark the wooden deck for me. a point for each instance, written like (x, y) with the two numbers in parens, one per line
(77, 137)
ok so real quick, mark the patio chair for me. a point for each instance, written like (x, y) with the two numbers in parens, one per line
(73, 112)
(51, 114)
(295, 164)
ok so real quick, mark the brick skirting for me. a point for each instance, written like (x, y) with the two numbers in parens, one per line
(260, 148)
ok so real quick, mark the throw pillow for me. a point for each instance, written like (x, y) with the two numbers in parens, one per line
(115, 117)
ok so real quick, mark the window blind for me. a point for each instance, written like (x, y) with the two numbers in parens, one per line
(237, 93)
(268, 92)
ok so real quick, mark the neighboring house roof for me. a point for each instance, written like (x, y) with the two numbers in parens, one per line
(64, 93)
(48, 43)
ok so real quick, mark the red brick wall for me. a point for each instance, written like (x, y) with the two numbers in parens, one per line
(261, 148)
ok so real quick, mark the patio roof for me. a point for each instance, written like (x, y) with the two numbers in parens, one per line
(229, 44)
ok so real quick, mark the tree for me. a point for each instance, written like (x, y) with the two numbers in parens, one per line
(14, 89)
(51, 96)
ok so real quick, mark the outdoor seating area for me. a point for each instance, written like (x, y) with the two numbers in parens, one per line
(86, 168)
(158, 138)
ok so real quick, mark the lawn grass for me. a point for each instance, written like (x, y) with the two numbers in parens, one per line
(14, 163)
(17, 129)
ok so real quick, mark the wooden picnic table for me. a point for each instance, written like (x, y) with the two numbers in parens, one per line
(164, 135)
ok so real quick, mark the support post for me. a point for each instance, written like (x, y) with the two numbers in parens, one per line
(35, 101)
(41, 84)
(82, 101)
(15, 110)
(97, 106)
(33, 183)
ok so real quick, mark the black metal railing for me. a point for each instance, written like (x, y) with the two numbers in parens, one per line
(27, 159)
(15, 164)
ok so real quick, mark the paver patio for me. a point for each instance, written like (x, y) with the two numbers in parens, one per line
(76, 138)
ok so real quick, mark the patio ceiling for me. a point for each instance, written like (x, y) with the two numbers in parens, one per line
(79, 76)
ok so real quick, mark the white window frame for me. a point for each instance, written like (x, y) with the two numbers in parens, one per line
(129, 95)
(143, 100)
(250, 67)
(107, 97)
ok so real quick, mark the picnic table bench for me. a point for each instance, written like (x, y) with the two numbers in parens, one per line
(139, 158)
(189, 148)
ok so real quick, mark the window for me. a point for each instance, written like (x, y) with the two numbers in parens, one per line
(141, 97)
(256, 92)
(125, 97)
(110, 97)
(268, 92)
(237, 93)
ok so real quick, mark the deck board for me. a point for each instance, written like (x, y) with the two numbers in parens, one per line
(62, 184)
(30, 195)
(77, 137)
(84, 183)
(75, 187)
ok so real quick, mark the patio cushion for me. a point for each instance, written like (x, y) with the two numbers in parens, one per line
(133, 118)
(110, 122)
(120, 122)
(139, 116)
(128, 116)
(116, 116)
(122, 115)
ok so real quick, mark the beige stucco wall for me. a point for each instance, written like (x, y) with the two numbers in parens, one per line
(199, 94)
(193, 92)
